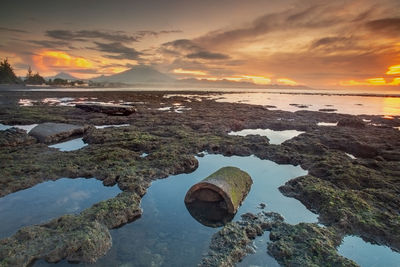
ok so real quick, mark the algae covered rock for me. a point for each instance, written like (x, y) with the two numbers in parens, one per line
(14, 137)
(67, 237)
(108, 108)
(51, 132)
(351, 122)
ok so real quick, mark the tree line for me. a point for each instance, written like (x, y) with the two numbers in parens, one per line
(7, 76)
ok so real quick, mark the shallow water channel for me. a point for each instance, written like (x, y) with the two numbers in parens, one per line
(167, 235)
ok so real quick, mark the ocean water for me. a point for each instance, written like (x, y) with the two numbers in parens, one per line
(356, 102)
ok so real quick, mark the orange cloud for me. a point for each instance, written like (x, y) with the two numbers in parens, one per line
(286, 81)
(190, 72)
(393, 70)
(371, 82)
(48, 60)
(257, 79)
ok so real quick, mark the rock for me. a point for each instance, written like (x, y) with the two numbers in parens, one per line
(108, 108)
(351, 122)
(51, 132)
(14, 137)
(327, 110)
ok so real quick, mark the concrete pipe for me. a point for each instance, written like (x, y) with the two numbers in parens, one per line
(225, 190)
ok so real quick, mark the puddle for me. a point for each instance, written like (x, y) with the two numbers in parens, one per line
(181, 109)
(164, 109)
(168, 235)
(366, 254)
(48, 200)
(111, 125)
(275, 137)
(350, 156)
(260, 258)
(327, 123)
(27, 128)
(70, 145)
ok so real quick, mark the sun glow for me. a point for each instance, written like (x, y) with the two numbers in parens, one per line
(286, 81)
(393, 70)
(372, 82)
(190, 72)
(48, 60)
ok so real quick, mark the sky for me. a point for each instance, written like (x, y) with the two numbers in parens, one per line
(318, 43)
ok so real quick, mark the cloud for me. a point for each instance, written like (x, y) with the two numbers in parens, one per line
(4, 29)
(207, 55)
(112, 36)
(189, 49)
(82, 35)
(49, 43)
(118, 50)
(387, 26)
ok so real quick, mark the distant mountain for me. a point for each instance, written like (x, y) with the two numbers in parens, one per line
(136, 75)
(64, 76)
(234, 84)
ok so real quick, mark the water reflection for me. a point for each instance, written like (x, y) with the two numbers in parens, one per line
(366, 254)
(49, 200)
(210, 214)
(70, 145)
(275, 137)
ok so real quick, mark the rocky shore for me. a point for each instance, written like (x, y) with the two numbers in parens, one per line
(353, 196)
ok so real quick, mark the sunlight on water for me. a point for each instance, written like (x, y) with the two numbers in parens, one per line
(355, 105)
(48, 200)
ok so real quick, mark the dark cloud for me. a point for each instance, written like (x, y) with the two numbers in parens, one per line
(332, 42)
(114, 36)
(207, 55)
(387, 26)
(181, 45)
(4, 29)
(118, 51)
(49, 43)
(189, 49)
(82, 35)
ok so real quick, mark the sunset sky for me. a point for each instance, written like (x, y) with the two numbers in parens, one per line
(322, 44)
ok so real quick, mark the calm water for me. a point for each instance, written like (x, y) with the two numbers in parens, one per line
(368, 255)
(70, 145)
(275, 137)
(167, 235)
(48, 200)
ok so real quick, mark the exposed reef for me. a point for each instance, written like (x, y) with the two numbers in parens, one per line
(352, 196)
(304, 244)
